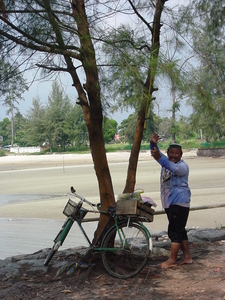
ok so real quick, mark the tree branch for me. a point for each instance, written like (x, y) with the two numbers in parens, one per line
(36, 11)
(57, 69)
(48, 49)
(128, 42)
(32, 38)
(140, 16)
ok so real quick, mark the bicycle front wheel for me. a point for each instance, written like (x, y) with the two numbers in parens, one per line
(58, 241)
(126, 250)
(50, 256)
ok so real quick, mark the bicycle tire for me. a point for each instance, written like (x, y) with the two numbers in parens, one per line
(126, 261)
(50, 256)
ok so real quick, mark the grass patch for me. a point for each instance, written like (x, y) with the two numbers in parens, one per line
(186, 144)
(117, 147)
(77, 150)
(215, 144)
(2, 152)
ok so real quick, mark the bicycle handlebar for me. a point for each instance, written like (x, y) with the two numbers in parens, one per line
(73, 191)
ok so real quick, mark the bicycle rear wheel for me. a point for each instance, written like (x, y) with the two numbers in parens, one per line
(128, 250)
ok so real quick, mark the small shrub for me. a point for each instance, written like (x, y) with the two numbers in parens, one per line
(2, 153)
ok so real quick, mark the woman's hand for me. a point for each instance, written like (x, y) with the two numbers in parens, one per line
(154, 138)
(155, 153)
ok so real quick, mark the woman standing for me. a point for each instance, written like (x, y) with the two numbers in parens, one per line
(175, 197)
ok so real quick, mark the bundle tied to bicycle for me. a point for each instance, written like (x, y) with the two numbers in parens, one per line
(135, 205)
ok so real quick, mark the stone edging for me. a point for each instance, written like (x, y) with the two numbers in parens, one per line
(26, 265)
(214, 152)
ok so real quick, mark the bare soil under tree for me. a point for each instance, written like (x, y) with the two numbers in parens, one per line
(204, 279)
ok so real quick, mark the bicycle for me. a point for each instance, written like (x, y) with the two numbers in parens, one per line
(125, 246)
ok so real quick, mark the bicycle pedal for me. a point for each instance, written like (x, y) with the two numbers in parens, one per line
(73, 268)
(78, 265)
(85, 265)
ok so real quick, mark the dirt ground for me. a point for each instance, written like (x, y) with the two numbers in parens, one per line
(204, 279)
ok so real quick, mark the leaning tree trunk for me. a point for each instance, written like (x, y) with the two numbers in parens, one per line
(89, 99)
(146, 99)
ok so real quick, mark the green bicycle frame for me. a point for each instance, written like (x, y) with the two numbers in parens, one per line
(63, 233)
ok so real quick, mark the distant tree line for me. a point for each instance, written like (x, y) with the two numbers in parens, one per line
(60, 123)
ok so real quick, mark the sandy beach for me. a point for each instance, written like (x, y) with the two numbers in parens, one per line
(19, 162)
(33, 193)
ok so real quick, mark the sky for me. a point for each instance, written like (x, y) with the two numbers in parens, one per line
(42, 89)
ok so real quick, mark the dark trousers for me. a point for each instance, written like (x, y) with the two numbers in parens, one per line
(177, 216)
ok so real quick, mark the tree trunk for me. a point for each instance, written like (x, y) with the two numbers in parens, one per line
(147, 98)
(173, 115)
(92, 109)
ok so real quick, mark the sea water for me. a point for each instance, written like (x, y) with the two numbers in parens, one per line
(25, 236)
(28, 235)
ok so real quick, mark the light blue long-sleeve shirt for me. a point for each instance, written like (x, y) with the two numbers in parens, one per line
(179, 190)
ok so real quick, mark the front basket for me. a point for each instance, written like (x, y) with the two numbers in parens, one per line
(70, 208)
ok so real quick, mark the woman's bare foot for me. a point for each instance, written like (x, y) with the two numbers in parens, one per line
(168, 264)
(184, 261)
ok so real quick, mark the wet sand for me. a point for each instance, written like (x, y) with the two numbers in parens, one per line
(33, 193)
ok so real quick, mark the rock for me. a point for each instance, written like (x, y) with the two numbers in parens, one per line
(209, 234)
(156, 251)
(159, 234)
(192, 239)
(162, 244)
(28, 265)
(62, 269)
